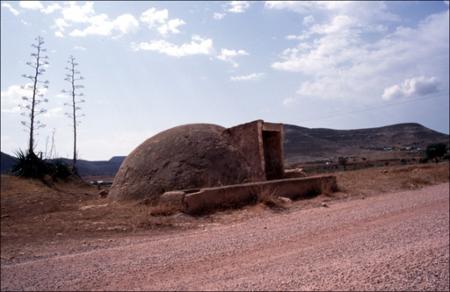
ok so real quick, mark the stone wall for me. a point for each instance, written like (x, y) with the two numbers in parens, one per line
(199, 156)
(248, 140)
(208, 199)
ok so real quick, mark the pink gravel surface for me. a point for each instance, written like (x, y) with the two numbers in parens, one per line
(396, 241)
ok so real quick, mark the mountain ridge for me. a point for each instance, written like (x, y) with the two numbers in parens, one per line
(306, 144)
(302, 144)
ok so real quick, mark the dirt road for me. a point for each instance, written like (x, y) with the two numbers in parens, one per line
(397, 241)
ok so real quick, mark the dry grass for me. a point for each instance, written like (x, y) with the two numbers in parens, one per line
(164, 210)
(268, 198)
(388, 179)
(151, 217)
(32, 212)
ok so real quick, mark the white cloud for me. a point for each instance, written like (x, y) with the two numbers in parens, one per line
(305, 7)
(32, 5)
(61, 24)
(365, 11)
(288, 101)
(416, 86)
(232, 7)
(292, 5)
(339, 23)
(51, 8)
(37, 5)
(101, 25)
(337, 60)
(159, 19)
(126, 23)
(79, 48)
(8, 143)
(12, 97)
(218, 15)
(55, 112)
(227, 55)
(238, 6)
(249, 77)
(307, 20)
(59, 34)
(297, 37)
(197, 46)
(78, 13)
(153, 16)
(73, 14)
(14, 11)
(171, 26)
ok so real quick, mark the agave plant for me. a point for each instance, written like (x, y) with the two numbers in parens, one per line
(30, 165)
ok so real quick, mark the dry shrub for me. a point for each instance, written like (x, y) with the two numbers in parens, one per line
(269, 198)
(328, 189)
(151, 217)
(139, 216)
(155, 222)
(164, 210)
(415, 183)
(390, 179)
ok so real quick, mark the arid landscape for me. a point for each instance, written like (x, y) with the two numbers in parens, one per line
(225, 146)
(305, 146)
(223, 209)
(66, 222)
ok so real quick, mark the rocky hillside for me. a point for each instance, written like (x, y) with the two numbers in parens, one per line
(305, 144)
(7, 162)
(85, 167)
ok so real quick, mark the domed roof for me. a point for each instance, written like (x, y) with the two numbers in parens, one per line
(188, 156)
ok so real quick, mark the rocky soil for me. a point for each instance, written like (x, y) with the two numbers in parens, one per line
(393, 241)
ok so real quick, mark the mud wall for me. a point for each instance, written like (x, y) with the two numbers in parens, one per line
(248, 139)
(233, 195)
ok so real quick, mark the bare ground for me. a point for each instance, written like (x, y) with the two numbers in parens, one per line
(397, 241)
(69, 238)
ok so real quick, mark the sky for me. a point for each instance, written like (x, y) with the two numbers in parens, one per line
(150, 66)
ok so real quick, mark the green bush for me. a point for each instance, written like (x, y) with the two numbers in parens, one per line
(29, 165)
(343, 161)
(61, 170)
(446, 156)
(435, 151)
(423, 160)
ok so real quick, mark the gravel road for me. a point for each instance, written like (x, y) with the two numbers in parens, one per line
(397, 241)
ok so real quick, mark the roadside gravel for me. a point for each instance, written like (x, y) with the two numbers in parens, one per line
(396, 241)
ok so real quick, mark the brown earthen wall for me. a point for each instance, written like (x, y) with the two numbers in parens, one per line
(222, 197)
(248, 140)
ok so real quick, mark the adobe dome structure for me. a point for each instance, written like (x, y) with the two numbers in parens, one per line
(200, 155)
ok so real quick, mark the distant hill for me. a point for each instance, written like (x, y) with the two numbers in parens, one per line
(97, 168)
(85, 167)
(304, 144)
(6, 162)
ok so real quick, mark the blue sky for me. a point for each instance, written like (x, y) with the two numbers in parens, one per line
(149, 66)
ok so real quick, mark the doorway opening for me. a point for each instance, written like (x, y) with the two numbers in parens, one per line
(273, 154)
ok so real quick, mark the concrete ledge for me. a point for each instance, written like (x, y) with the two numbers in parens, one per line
(173, 198)
(234, 195)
